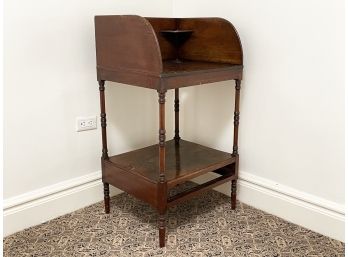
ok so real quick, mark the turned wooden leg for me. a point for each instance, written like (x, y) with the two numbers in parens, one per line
(162, 229)
(176, 110)
(162, 183)
(105, 155)
(106, 198)
(233, 194)
(236, 118)
(235, 145)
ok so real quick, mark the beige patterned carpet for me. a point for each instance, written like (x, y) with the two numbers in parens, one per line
(205, 226)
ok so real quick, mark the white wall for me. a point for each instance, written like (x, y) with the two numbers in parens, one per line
(292, 98)
(50, 79)
(291, 105)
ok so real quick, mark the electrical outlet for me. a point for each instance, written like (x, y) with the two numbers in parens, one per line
(86, 123)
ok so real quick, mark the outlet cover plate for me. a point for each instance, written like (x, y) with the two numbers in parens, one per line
(86, 123)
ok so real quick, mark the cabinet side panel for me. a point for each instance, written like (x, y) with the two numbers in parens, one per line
(128, 43)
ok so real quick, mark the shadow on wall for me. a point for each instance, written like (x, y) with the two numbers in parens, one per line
(214, 105)
(132, 117)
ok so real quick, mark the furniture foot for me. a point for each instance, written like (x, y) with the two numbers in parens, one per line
(233, 194)
(162, 230)
(106, 198)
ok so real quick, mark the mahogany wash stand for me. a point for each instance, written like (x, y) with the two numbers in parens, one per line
(164, 54)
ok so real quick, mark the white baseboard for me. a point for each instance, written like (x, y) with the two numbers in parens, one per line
(309, 211)
(317, 214)
(47, 203)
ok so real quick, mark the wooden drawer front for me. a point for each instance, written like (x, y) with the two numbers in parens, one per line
(130, 183)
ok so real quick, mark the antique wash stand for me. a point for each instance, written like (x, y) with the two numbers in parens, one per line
(164, 54)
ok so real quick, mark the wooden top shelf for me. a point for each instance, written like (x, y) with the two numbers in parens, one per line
(140, 51)
(183, 162)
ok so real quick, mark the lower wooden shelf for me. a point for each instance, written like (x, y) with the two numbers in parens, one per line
(183, 162)
(137, 172)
